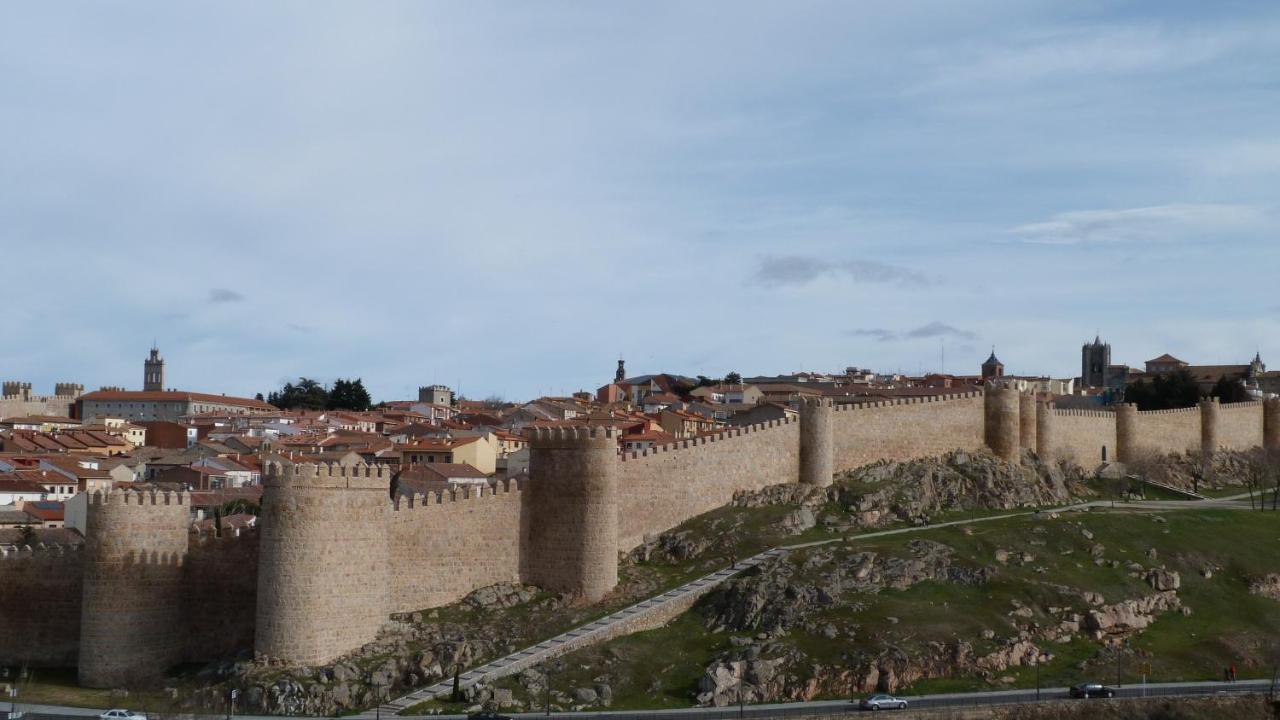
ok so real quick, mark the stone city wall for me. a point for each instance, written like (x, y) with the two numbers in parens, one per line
(661, 488)
(906, 429)
(221, 590)
(40, 599)
(323, 580)
(1240, 426)
(334, 557)
(444, 545)
(1083, 436)
(133, 624)
(1169, 431)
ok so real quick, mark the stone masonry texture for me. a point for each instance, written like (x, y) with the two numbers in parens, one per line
(131, 626)
(323, 565)
(333, 556)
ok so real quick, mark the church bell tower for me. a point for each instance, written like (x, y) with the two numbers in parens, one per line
(153, 371)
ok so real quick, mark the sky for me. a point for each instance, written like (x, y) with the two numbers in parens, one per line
(507, 197)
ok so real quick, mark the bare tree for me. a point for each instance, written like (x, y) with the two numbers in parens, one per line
(1255, 473)
(1271, 461)
(1149, 466)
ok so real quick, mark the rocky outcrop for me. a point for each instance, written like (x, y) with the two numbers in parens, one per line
(891, 491)
(1129, 616)
(1163, 580)
(781, 594)
(1267, 586)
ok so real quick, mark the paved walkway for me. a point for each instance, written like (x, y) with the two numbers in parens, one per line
(584, 635)
(576, 638)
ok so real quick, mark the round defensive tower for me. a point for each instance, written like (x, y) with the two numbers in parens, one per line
(572, 541)
(1045, 430)
(1209, 416)
(1126, 432)
(816, 464)
(1001, 427)
(323, 582)
(130, 619)
(1271, 424)
(1027, 420)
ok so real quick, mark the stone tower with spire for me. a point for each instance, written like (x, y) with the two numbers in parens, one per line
(992, 368)
(621, 373)
(153, 371)
(1257, 367)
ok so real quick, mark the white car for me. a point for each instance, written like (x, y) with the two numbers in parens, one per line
(122, 715)
(883, 702)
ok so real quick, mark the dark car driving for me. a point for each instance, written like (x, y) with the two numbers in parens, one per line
(1092, 690)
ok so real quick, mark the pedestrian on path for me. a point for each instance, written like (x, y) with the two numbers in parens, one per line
(1233, 672)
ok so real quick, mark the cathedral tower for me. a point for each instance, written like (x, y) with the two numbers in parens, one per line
(1095, 358)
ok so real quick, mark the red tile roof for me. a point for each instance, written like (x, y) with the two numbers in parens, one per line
(174, 396)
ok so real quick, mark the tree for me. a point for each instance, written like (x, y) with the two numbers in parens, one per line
(733, 378)
(348, 395)
(1164, 392)
(1255, 474)
(258, 397)
(308, 394)
(26, 534)
(1271, 458)
(1229, 391)
(1148, 466)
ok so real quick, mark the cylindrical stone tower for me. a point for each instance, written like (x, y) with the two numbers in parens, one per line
(1126, 432)
(816, 464)
(1045, 430)
(1209, 426)
(1001, 427)
(131, 616)
(322, 567)
(1027, 420)
(1271, 424)
(572, 541)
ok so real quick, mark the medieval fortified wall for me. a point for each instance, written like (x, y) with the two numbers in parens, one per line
(334, 556)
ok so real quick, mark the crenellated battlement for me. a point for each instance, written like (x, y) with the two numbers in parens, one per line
(1072, 412)
(572, 436)
(710, 438)
(1194, 409)
(510, 486)
(41, 551)
(229, 535)
(327, 475)
(812, 402)
(1246, 405)
(919, 400)
(118, 496)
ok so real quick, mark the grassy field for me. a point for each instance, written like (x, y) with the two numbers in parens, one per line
(1228, 625)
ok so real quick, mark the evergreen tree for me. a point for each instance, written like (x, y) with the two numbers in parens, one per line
(308, 394)
(1169, 391)
(349, 395)
(1229, 391)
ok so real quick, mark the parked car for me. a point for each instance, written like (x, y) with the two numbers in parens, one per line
(118, 714)
(1092, 690)
(881, 701)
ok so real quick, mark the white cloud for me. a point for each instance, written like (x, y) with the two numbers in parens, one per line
(1144, 224)
(1054, 57)
(780, 270)
(935, 329)
(223, 295)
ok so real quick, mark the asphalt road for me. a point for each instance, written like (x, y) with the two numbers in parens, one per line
(824, 707)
